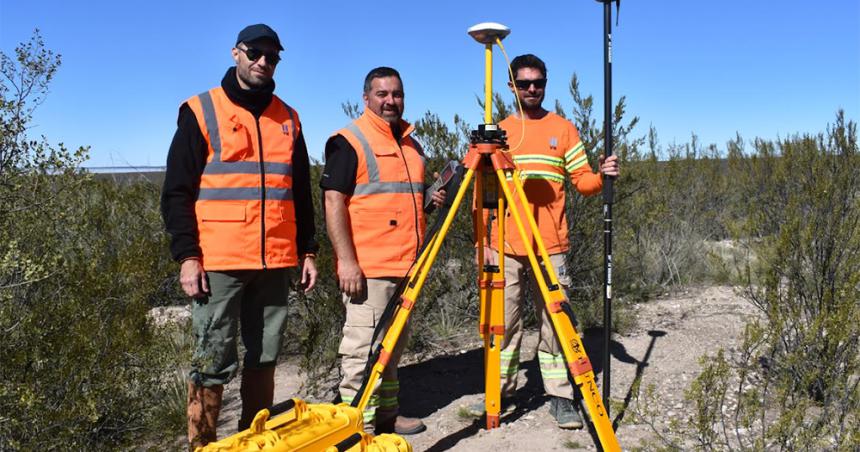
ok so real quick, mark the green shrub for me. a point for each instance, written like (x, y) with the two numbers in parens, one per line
(81, 262)
(793, 382)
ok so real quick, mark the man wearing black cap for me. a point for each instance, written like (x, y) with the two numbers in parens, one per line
(237, 204)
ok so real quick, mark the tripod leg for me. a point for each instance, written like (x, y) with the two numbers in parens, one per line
(480, 240)
(492, 286)
(410, 294)
(561, 315)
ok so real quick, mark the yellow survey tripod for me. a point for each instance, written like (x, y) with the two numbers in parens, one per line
(497, 175)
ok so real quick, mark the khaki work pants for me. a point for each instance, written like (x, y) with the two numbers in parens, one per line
(553, 368)
(362, 315)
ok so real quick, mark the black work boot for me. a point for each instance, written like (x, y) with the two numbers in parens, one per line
(257, 392)
(565, 413)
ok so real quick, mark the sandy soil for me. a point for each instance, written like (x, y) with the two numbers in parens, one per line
(673, 332)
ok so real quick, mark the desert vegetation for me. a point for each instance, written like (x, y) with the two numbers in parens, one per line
(83, 259)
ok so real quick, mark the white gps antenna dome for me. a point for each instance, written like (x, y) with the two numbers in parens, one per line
(488, 32)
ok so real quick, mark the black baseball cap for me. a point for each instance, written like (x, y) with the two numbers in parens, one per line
(258, 31)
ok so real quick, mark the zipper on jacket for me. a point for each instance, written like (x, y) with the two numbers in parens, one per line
(262, 195)
(414, 203)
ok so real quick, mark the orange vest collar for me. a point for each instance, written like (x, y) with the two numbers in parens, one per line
(382, 126)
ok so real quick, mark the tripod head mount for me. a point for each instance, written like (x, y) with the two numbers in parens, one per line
(489, 133)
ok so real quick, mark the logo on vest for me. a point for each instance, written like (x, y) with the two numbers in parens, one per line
(285, 128)
(553, 142)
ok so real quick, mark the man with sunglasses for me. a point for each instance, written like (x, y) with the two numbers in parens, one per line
(547, 150)
(237, 204)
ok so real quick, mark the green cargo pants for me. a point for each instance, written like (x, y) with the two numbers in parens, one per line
(253, 301)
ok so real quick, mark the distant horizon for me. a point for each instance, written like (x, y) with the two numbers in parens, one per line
(663, 157)
(130, 167)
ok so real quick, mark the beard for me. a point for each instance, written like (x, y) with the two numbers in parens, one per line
(392, 116)
(531, 103)
(252, 79)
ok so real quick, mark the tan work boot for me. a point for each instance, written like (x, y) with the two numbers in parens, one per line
(401, 425)
(203, 407)
(257, 391)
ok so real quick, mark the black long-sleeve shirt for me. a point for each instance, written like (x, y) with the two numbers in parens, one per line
(186, 161)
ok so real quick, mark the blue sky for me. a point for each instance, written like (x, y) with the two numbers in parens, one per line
(761, 68)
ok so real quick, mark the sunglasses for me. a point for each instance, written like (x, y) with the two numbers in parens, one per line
(540, 83)
(254, 54)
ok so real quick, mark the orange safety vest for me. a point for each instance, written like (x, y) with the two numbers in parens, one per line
(245, 214)
(386, 216)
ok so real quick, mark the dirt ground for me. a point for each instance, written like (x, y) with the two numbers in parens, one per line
(672, 333)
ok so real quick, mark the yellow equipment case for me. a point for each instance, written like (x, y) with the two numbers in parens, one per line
(308, 427)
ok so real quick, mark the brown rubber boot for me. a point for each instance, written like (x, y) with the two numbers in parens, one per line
(204, 405)
(401, 425)
(258, 390)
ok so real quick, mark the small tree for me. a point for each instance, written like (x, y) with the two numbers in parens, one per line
(81, 262)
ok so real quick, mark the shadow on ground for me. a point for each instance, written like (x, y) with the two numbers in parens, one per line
(435, 384)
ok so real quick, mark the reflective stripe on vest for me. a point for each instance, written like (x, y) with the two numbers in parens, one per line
(216, 166)
(219, 167)
(373, 186)
(245, 194)
(386, 187)
(211, 121)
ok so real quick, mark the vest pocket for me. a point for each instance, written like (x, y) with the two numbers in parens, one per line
(380, 236)
(385, 151)
(225, 211)
(374, 221)
(236, 143)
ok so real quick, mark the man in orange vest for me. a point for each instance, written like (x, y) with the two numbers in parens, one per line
(547, 150)
(237, 204)
(374, 191)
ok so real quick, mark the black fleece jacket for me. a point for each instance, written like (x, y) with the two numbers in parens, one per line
(186, 160)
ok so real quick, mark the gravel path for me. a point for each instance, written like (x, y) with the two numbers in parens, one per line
(672, 333)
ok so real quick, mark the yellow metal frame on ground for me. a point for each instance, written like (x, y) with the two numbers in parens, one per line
(487, 158)
(309, 428)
